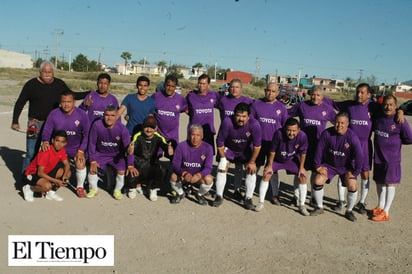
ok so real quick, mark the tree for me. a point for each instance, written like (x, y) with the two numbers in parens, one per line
(197, 66)
(143, 61)
(80, 63)
(162, 65)
(126, 56)
(175, 69)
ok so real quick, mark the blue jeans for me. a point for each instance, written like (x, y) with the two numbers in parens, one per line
(30, 151)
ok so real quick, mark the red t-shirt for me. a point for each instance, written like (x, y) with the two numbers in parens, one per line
(48, 159)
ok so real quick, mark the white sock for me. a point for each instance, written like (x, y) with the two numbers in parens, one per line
(364, 190)
(177, 186)
(204, 188)
(81, 177)
(352, 196)
(381, 188)
(318, 194)
(93, 179)
(390, 195)
(303, 189)
(220, 183)
(119, 182)
(238, 175)
(296, 188)
(250, 185)
(274, 183)
(263, 188)
(341, 190)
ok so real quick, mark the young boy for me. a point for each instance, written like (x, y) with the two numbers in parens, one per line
(45, 173)
(145, 146)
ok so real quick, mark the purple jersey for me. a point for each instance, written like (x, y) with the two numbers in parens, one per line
(271, 117)
(339, 151)
(167, 113)
(193, 159)
(76, 125)
(99, 104)
(313, 118)
(108, 142)
(286, 149)
(227, 104)
(201, 109)
(240, 140)
(360, 116)
(389, 136)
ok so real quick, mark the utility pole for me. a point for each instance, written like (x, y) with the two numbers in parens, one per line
(360, 75)
(58, 33)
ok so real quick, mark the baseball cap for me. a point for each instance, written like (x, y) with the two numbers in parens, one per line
(150, 121)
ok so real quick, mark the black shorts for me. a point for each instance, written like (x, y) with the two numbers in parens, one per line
(32, 179)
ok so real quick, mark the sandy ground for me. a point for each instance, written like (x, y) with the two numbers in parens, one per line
(157, 237)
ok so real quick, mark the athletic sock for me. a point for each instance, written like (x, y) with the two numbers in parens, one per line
(318, 194)
(204, 188)
(390, 195)
(303, 189)
(352, 196)
(81, 176)
(341, 190)
(274, 184)
(93, 179)
(177, 186)
(364, 190)
(119, 182)
(250, 185)
(381, 195)
(220, 183)
(296, 184)
(263, 188)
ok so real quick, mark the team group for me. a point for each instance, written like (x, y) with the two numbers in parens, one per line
(253, 134)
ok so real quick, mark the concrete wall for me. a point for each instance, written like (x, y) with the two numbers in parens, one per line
(10, 59)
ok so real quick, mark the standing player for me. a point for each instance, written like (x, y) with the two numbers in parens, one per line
(75, 123)
(97, 101)
(201, 104)
(271, 115)
(169, 105)
(238, 141)
(192, 164)
(45, 173)
(389, 137)
(107, 146)
(288, 152)
(138, 106)
(338, 153)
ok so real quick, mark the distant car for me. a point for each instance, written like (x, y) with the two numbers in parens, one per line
(407, 107)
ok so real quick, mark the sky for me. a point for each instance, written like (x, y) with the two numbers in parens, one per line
(327, 39)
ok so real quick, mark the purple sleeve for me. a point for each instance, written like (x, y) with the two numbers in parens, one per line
(177, 160)
(92, 141)
(126, 142)
(86, 127)
(257, 134)
(304, 141)
(406, 133)
(222, 134)
(208, 162)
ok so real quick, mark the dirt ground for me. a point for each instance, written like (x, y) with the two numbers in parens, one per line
(157, 237)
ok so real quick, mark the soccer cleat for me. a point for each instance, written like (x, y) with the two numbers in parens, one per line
(275, 200)
(248, 204)
(376, 211)
(259, 207)
(303, 210)
(350, 216)
(52, 195)
(176, 199)
(117, 194)
(339, 205)
(218, 201)
(153, 195)
(201, 200)
(317, 211)
(237, 195)
(28, 193)
(362, 208)
(80, 192)
(132, 193)
(92, 193)
(382, 217)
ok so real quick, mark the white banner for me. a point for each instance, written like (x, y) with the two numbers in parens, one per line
(61, 250)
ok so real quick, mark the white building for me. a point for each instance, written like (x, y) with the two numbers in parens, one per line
(10, 59)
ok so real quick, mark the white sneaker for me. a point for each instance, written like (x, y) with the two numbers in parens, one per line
(139, 190)
(52, 195)
(28, 193)
(132, 193)
(259, 207)
(153, 195)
